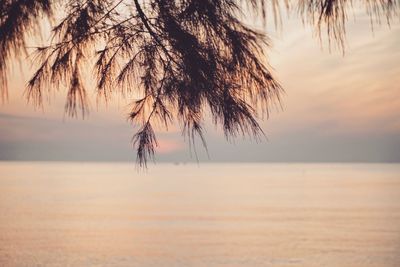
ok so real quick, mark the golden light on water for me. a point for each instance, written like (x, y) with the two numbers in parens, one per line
(97, 214)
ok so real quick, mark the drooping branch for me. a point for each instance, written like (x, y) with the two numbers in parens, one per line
(17, 18)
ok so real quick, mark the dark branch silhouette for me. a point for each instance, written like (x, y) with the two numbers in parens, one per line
(184, 58)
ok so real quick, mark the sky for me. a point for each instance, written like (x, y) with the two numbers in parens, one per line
(336, 108)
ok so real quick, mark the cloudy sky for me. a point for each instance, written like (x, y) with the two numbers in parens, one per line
(335, 108)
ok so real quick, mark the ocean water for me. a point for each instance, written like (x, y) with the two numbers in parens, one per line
(206, 215)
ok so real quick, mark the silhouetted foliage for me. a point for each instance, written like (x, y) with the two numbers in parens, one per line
(184, 58)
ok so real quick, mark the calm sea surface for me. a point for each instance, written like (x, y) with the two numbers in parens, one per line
(106, 214)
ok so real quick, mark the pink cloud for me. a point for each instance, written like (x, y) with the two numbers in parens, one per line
(166, 146)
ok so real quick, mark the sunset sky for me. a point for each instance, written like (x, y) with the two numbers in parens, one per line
(335, 108)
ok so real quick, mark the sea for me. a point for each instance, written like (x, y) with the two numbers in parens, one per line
(199, 215)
